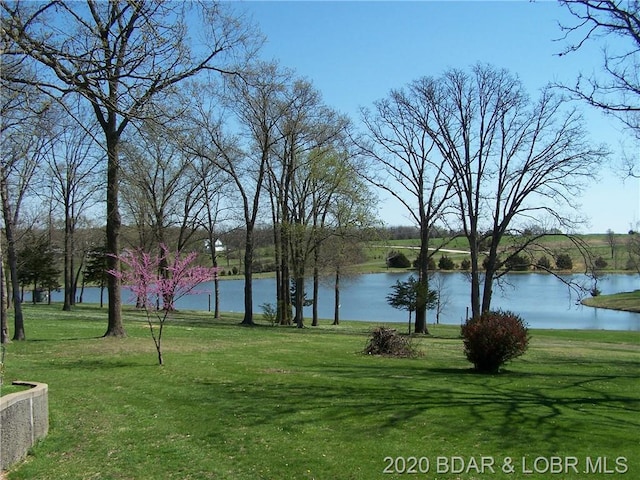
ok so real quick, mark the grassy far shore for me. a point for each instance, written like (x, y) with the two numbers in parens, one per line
(276, 402)
(626, 301)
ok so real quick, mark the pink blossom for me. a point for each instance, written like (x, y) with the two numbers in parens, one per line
(165, 277)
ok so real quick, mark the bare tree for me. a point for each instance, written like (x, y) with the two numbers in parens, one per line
(73, 168)
(212, 192)
(244, 166)
(617, 91)
(613, 244)
(156, 183)
(513, 161)
(25, 117)
(121, 56)
(22, 153)
(404, 161)
(260, 104)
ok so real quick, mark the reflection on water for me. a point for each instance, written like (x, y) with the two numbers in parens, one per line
(542, 300)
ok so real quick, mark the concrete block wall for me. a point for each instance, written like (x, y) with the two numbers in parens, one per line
(24, 419)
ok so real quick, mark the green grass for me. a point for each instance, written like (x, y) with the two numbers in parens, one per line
(627, 301)
(598, 246)
(279, 403)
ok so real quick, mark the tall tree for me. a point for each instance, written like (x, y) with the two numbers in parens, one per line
(211, 186)
(318, 178)
(25, 117)
(633, 249)
(312, 169)
(73, 170)
(512, 160)
(121, 56)
(258, 103)
(340, 205)
(244, 169)
(612, 242)
(404, 162)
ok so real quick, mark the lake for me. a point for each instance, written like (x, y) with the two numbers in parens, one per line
(540, 299)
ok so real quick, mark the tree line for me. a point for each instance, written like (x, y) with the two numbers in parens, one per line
(114, 113)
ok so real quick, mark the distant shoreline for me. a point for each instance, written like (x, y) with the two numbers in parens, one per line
(624, 301)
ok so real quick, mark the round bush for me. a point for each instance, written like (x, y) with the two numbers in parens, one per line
(494, 338)
(398, 260)
(543, 263)
(517, 263)
(600, 263)
(445, 263)
(564, 262)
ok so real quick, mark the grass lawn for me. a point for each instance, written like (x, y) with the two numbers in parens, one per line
(279, 403)
(627, 301)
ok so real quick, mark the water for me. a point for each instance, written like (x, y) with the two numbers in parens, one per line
(540, 299)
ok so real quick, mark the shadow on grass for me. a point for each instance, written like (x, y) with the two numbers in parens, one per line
(66, 339)
(102, 364)
(508, 408)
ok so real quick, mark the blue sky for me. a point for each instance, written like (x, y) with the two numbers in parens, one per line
(355, 52)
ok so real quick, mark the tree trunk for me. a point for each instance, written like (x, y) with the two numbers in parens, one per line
(487, 291)
(299, 320)
(216, 295)
(316, 288)
(248, 278)
(214, 264)
(68, 271)
(216, 283)
(114, 326)
(423, 277)
(72, 266)
(287, 304)
(4, 328)
(18, 321)
(277, 242)
(336, 304)
(474, 248)
(489, 274)
(12, 260)
(76, 279)
(284, 293)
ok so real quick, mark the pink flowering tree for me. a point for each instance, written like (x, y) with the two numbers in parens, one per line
(156, 278)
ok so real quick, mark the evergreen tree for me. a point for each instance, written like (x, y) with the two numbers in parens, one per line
(411, 295)
(96, 269)
(37, 266)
